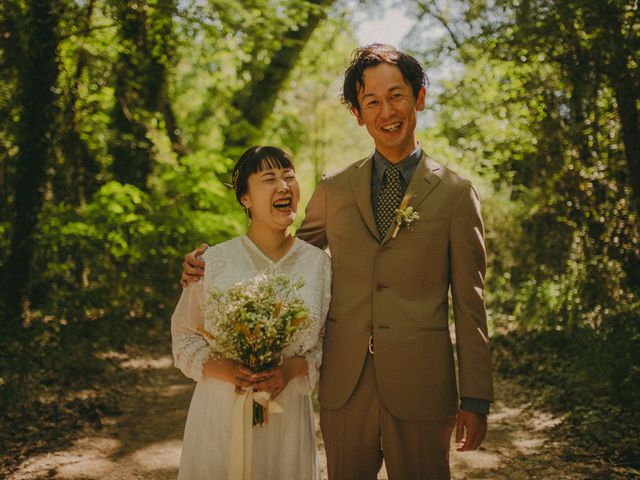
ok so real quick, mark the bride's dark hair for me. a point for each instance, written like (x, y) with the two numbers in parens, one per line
(256, 159)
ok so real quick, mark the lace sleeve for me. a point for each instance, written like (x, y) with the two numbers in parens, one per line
(190, 349)
(311, 345)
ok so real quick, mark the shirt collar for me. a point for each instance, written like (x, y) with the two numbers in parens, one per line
(407, 165)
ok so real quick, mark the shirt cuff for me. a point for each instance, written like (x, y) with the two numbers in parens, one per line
(475, 405)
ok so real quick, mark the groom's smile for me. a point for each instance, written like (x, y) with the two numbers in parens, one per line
(391, 127)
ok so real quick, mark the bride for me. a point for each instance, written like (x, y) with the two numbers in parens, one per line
(265, 184)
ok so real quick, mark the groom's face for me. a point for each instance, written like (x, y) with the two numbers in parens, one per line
(388, 108)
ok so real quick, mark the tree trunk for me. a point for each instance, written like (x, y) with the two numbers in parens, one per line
(4, 197)
(130, 147)
(146, 33)
(171, 126)
(253, 109)
(627, 100)
(618, 54)
(76, 179)
(132, 151)
(38, 75)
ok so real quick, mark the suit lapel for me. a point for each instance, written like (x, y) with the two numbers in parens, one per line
(360, 181)
(425, 179)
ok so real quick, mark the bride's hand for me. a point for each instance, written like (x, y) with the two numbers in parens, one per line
(229, 371)
(277, 378)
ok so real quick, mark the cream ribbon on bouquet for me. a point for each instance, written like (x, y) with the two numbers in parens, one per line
(242, 431)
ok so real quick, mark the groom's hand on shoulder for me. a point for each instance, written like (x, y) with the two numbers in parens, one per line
(471, 428)
(193, 266)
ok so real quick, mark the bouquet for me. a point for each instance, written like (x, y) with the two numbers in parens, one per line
(252, 321)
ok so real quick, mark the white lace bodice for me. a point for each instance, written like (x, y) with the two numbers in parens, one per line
(240, 259)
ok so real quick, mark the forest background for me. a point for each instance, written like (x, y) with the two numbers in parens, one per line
(120, 121)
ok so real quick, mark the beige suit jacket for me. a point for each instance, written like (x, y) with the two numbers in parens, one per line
(397, 289)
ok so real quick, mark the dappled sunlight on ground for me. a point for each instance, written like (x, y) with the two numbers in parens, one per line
(90, 458)
(507, 427)
(141, 363)
(144, 442)
(163, 455)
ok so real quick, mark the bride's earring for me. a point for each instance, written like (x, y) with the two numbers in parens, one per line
(245, 207)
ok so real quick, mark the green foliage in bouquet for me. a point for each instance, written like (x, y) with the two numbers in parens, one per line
(253, 321)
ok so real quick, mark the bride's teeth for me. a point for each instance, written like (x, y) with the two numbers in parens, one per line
(282, 203)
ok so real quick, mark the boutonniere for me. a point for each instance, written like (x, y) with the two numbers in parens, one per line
(405, 215)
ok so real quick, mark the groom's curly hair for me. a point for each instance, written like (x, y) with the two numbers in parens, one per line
(375, 54)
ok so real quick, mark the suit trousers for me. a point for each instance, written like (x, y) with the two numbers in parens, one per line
(360, 434)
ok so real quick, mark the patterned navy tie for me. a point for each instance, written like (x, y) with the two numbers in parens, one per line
(389, 199)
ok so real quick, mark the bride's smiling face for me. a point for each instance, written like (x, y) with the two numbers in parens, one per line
(272, 196)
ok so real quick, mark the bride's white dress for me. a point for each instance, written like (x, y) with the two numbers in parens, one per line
(285, 448)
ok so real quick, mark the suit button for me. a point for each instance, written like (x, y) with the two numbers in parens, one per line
(383, 248)
(380, 287)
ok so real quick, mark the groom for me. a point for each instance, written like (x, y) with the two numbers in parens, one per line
(387, 385)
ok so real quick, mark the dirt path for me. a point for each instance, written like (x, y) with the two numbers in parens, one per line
(144, 441)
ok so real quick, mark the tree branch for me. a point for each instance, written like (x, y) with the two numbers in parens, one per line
(427, 9)
(87, 31)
